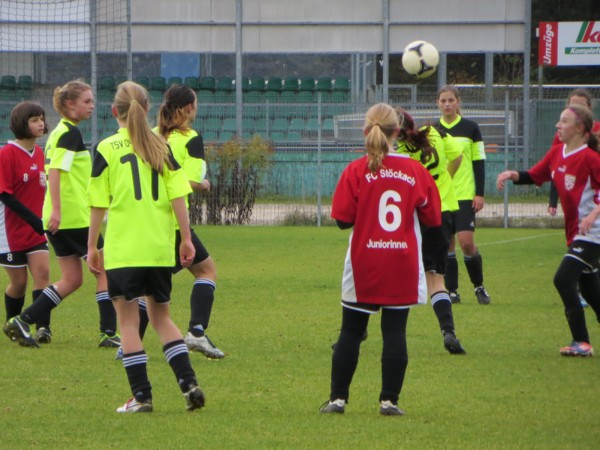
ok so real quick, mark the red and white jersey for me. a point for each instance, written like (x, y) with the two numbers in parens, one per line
(383, 265)
(576, 177)
(22, 175)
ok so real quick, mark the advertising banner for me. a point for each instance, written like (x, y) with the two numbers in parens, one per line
(569, 43)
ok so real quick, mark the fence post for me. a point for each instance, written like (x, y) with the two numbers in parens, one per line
(506, 118)
(319, 168)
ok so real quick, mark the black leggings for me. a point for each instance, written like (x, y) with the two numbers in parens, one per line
(572, 273)
(394, 358)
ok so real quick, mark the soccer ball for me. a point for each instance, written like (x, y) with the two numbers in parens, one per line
(420, 59)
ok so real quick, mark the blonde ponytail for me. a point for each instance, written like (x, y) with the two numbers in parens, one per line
(381, 121)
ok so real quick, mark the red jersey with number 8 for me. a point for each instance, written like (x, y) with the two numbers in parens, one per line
(22, 175)
(383, 265)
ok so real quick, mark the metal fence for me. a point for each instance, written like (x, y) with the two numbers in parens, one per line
(312, 122)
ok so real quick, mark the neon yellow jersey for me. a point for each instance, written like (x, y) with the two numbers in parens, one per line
(140, 229)
(66, 152)
(438, 166)
(467, 133)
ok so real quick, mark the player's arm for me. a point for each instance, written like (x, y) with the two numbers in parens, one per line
(186, 248)
(54, 188)
(93, 256)
(479, 175)
(194, 165)
(552, 200)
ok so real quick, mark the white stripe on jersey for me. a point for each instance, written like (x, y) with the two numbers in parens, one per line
(4, 248)
(348, 288)
(586, 205)
(422, 289)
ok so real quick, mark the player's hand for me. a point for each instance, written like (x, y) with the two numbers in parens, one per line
(502, 177)
(93, 260)
(205, 185)
(186, 253)
(551, 210)
(478, 203)
(53, 222)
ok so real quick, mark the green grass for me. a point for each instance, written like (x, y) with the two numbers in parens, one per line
(276, 315)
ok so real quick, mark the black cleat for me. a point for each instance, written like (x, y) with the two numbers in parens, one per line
(336, 406)
(454, 296)
(482, 296)
(452, 344)
(18, 330)
(387, 408)
(194, 398)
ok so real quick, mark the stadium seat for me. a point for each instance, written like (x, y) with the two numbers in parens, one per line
(297, 124)
(257, 84)
(210, 136)
(224, 84)
(323, 84)
(224, 96)
(174, 80)
(106, 83)
(290, 84)
(279, 124)
(229, 124)
(248, 125)
(287, 97)
(205, 96)
(341, 84)
(158, 84)
(8, 82)
(328, 125)
(206, 84)
(271, 96)
(252, 97)
(274, 84)
(339, 97)
(143, 81)
(225, 136)
(192, 83)
(305, 97)
(307, 84)
(120, 79)
(279, 136)
(312, 125)
(24, 82)
(245, 84)
(294, 136)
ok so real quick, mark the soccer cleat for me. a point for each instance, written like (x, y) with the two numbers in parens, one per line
(452, 344)
(387, 408)
(133, 406)
(43, 335)
(203, 345)
(119, 354)
(482, 296)
(454, 296)
(336, 406)
(577, 349)
(194, 397)
(109, 341)
(17, 330)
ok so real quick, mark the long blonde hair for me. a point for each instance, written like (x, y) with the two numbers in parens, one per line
(70, 91)
(381, 121)
(131, 103)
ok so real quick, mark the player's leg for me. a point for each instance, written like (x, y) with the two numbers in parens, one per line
(158, 284)
(39, 266)
(394, 359)
(589, 285)
(451, 275)
(108, 319)
(345, 356)
(14, 295)
(581, 256)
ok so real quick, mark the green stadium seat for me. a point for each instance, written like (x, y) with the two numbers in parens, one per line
(225, 136)
(224, 84)
(312, 125)
(290, 84)
(106, 83)
(257, 84)
(274, 84)
(224, 97)
(8, 82)
(206, 84)
(323, 84)
(143, 81)
(229, 124)
(279, 136)
(341, 84)
(210, 136)
(307, 84)
(305, 97)
(212, 124)
(120, 79)
(328, 125)
(252, 97)
(248, 125)
(156, 97)
(294, 136)
(192, 83)
(245, 84)
(279, 124)
(158, 84)
(25, 82)
(260, 125)
(287, 97)
(205, 96)
(339, 97)
(271, 96)
(174, 80)
(297, 124)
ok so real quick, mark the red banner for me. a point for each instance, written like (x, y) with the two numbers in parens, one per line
(548, 44)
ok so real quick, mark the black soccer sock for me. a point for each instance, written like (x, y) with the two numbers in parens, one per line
(451, 275)
(44, 303)
(178, 357)
(442, 306)
(394, 357)
(44, 319)
(201, 302)
(474, 264)
(346, 352)
(13, 306)
(144, 320)
(565, 280)
(108, 315)
(135, 366)
(589, 284)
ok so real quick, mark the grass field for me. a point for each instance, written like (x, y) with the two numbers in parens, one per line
(276, 315)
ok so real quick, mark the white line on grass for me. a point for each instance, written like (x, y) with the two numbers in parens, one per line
(526, 238)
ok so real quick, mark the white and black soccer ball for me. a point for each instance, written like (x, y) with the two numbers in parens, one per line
(420, 59)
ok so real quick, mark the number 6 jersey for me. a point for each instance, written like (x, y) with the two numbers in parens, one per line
(383, 265)
(140, 230)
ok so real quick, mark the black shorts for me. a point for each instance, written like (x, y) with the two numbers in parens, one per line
(435, 245)
(72, 242)
(464, 218)
(201, 252)
(586, 252)
(370, 308)
(135, 282)
(19, 259)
